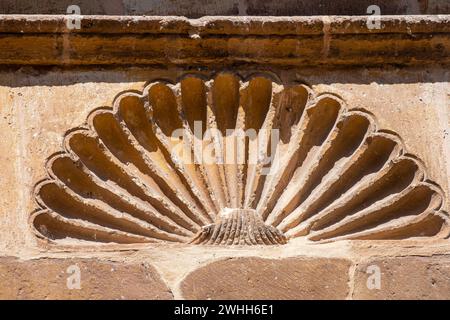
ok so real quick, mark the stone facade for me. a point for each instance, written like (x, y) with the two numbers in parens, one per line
(96, 204)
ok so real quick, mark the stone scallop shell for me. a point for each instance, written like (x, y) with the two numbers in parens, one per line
(333, 174)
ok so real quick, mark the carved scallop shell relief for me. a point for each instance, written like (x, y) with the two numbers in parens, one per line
(164, 166)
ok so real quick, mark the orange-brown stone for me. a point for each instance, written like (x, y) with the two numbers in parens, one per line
(54, 279)
(258, 278)
(405, 278)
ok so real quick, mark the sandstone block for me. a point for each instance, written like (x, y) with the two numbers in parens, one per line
(257, 278)
(405, 278)
(58, 279)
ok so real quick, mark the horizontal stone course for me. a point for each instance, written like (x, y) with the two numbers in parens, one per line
(218, 7)
(246, 278)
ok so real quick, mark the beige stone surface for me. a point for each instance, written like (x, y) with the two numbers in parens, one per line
(335, 171)
(37, 109)
(258, 278)
(54, 279)
(36, 118)
(405, 278)
(403, 83)
(416, 111)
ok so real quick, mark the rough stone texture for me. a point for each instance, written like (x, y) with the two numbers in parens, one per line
(272, 41)
(39, 107)
(50, 80)
(87, 196)
(232, 7)
(47, 279)
(256, 278)
(406, 278)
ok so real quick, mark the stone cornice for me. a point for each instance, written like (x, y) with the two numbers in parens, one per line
(280, 41)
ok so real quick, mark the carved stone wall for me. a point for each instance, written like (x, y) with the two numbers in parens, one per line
(343, 168)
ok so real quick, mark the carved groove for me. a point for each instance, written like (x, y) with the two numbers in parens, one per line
(333, 174)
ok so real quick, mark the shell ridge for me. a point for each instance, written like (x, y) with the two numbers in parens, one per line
(332, 173)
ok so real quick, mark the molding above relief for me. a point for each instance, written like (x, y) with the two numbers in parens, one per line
(45, 40)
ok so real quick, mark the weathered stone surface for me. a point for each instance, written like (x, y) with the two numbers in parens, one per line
(232, 8)
(52, 78)
(287, 41)
(33, 132)
(92, 193)
(405, 278)
(48, 279)
(257, 278)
